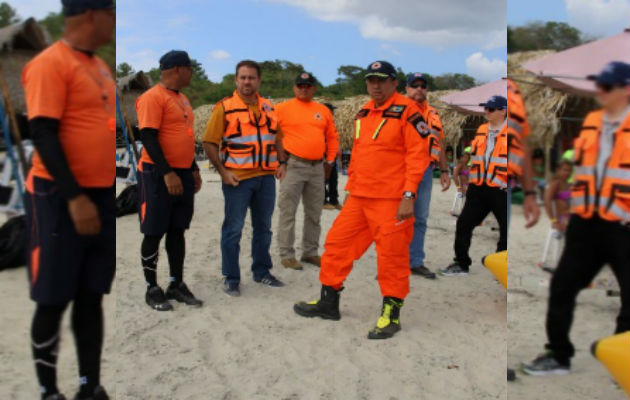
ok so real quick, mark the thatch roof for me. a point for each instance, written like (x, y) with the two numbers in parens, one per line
(19, 43)
(347, 109)
(130, 88)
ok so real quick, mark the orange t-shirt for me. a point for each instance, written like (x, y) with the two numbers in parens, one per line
(309, 129)
(79, 91)
(172, 115)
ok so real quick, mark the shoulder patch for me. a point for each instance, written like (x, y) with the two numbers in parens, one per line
(362, 113)
(419, 123)
(394, 111)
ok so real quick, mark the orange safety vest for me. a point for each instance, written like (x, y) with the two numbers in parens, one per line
(436, 134)
(495, 174)
(517, 129)
(249, 142)
(611, 197)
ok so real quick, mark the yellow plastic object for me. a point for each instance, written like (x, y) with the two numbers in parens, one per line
(497, 264)
(614, 353)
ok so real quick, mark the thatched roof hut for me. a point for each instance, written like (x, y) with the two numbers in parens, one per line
(130, 88)
(555, 117)
(344, 118)
(19, 43)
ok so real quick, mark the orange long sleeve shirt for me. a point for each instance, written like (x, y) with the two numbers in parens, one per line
(309, 129)
(390, 151)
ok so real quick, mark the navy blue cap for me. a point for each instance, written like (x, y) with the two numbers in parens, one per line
(497, 102)
(381, 69)
(305, 78)
(416, 75)
(615, 73)
(174, 58)
(76, 7)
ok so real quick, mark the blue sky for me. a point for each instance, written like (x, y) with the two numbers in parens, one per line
(321, 37)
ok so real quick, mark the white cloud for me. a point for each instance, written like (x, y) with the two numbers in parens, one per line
(483, 69)
(219, 54)
(390, 49)
(599, 17)
(439, 24)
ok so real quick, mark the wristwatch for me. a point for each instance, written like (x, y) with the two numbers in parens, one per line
(409, 195)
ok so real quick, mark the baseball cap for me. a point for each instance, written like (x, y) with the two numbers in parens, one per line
(174, 58)
(615, 73)
(415, 75)
(305, 78)
(381, 69)
(497, 102)
(76, 7)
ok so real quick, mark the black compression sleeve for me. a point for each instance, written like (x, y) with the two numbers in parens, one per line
(45, 133)
(152, 145)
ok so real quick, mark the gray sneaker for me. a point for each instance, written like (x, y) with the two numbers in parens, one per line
(545, 364)
(423, 272)
(231, 288)
(453, 270)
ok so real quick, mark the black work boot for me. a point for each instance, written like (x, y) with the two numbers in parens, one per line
(389, 322)
(327, 307)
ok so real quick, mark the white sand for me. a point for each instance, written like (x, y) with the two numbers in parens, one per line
(255, 347)
(527, 304)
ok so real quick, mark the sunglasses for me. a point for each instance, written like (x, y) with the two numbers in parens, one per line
(416, 85)
(492, 109)
(607, 88)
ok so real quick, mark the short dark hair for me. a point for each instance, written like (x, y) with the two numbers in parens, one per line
(250, 64)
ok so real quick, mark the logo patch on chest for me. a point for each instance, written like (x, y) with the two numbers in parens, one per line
(318, 116)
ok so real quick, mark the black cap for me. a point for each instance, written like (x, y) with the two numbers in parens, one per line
(76, 7)
(381, 69)
(414, 76)
(305, 78)
(174, 58)
(496, 102)
(615, 73)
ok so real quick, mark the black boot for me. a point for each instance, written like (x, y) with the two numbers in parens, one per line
(389, 322)
(327, 307)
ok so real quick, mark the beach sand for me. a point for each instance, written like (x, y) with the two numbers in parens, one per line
(452, 345)
(527, 305)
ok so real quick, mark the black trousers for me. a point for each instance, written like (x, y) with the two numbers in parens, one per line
(480, 201)
(332, 195)
(589, 245)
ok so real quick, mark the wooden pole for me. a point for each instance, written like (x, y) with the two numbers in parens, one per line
(14, 125)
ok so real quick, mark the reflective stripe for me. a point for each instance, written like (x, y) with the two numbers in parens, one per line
(240, 161)
(498, 160)
(513, 158)
(477, 158)
(435, 152)
(515, 125)
(434, 132)
(498, 182)
(581, 170)
(474, 176)
(378, 129)
(251, 139)
(619, 212)
(618, 173)
(579, 201)
(273, 159)
(357, 128)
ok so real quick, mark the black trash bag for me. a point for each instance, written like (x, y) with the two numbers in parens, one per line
(127, 201)
(13, 243)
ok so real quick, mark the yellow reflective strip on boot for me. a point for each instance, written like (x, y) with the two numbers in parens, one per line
(314, 302)
(385, 320)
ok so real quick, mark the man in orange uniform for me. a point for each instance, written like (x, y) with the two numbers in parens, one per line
(311, 140)
(417, 90)
(168, 178)
(488, 185)
(244, 143)
(389, 157)
(70, 200)
(599, 229)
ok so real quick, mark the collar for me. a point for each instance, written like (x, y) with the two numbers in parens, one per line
(622, 117)
(245, 103)
(372, 106)
(499, 129)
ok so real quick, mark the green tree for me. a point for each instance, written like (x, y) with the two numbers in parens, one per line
(8, 15)
(53, 22)
(124, 69)
(543, 35)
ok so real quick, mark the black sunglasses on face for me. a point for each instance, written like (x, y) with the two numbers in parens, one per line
(416, 85)
(491, 109)
(607, 88)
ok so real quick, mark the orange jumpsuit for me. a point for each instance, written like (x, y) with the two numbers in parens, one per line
(389, 157)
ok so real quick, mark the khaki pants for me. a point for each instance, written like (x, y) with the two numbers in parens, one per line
(304, 181)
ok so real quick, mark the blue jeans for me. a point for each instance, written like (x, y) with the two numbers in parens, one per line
(259, 195)
(421, 212)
